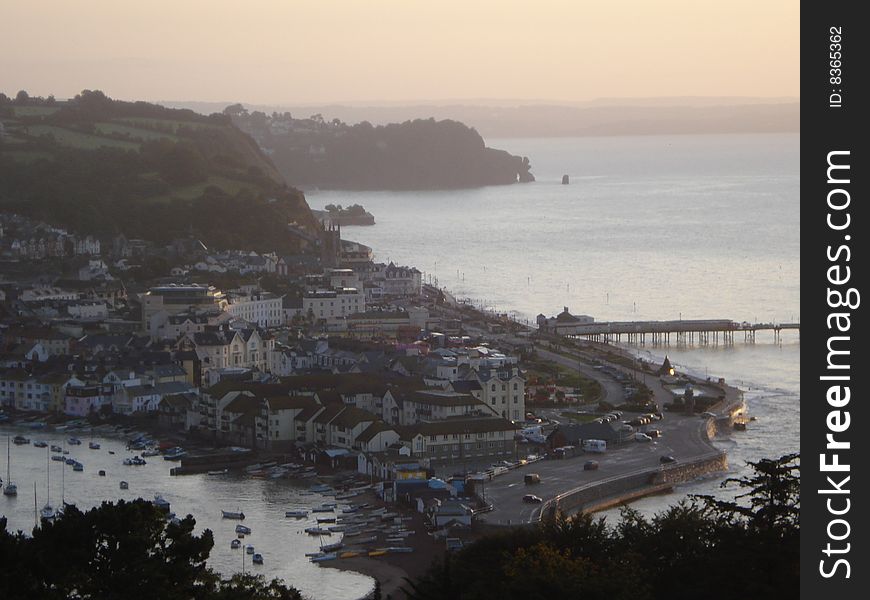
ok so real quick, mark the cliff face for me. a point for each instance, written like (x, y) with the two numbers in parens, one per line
(419, 154)
(102, 166)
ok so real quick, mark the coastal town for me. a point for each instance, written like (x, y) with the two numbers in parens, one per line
(330, 364)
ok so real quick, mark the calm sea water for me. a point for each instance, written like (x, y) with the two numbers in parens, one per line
(281, 541)
(653, 227)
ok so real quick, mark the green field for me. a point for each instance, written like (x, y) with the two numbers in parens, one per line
(34, 111)
(27, 156)
(164, 125)
(107, 128)
(75, 139)
(191, 192)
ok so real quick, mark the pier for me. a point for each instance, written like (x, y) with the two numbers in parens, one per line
(703, 332)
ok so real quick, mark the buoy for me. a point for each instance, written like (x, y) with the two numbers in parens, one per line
(564, 180)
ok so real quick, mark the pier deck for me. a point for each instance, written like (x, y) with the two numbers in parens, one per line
(658, 333)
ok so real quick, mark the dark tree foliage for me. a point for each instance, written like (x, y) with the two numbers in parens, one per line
(704, 548)
(123, 551)
(418, 154)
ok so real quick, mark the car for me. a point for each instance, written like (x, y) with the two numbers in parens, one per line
(667, 458)
(708, 415)
(532, 499)
(642, 437)
(590, 465)
(654, 433)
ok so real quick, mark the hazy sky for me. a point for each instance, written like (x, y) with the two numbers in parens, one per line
(297, 51)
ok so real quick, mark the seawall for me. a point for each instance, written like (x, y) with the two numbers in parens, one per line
(631, 486)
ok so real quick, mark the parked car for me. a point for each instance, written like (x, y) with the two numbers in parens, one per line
(532, 499)
(642, 437)
(531, 478)
(654, 433)
(590, 465)
(667, 458)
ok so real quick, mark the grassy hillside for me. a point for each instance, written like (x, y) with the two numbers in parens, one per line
(102, 166)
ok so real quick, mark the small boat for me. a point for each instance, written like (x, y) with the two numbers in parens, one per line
(58, 458)
(77, 466)
(243, 529)
(150, 452)
(111, 451)
(135, 461)
(258, 559)
(56, 448)
(101, 473)
(332, 547)
(40, 444)
(20, 440)
(174, 454)
(296, 514)
(324, 557)
(47, 512)
(74, 441)
(317, 531)
(249, 549)
(326, 519)
(337, 528)
(235, 544)
(322, 509)
(223, 472)
(228, 514)
(348, 555)
(10, 489)
(94, 446)
(124, 485)
(375, 553)
(161, 503)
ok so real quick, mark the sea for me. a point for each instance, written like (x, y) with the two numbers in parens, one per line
(651, 227)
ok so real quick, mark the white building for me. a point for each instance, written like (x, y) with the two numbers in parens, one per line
(337, 303)
(263, 309)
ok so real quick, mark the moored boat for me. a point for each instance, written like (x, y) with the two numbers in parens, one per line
(243, 529)
(249, 549)
(258, 559)
(161, 503)
(235, 544)
(317, 531)
(94, 446)
(228, 514)
(124, 485)
(74, 441)
(40, 444)
(296, 514)
(325, 557)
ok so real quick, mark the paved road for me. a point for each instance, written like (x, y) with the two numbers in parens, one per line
(681, 438)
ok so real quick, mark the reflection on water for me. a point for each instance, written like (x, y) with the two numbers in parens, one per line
(281, 541)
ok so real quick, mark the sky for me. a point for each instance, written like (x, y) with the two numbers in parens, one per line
(371, 51)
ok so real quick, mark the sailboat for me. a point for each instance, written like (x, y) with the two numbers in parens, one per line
(47, 511)
(10, 489)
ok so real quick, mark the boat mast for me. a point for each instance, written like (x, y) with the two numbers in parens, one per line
(35, 513)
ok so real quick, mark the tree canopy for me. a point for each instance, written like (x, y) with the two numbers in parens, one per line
(123, 551)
